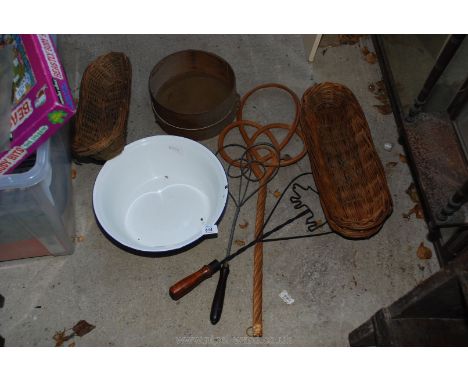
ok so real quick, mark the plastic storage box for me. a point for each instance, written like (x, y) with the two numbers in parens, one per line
(36, 206)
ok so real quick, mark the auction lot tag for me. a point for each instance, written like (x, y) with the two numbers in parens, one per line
(210, 229)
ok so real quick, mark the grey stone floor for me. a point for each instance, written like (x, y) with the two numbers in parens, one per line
(336, 283)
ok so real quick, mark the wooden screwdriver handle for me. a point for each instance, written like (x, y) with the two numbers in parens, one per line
(184, 286)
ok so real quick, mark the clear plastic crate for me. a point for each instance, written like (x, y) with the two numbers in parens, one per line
(36, 204)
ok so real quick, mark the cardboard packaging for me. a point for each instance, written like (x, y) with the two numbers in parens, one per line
(42, 100)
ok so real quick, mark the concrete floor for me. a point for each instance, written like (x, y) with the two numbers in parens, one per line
(336, 283)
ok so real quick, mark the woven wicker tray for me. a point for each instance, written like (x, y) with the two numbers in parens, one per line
(347, 170)
(101, 121)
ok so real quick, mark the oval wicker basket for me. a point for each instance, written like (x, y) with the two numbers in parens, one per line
(347, 170)
(101, 120)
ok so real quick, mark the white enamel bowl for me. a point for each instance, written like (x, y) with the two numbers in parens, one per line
(161, 193)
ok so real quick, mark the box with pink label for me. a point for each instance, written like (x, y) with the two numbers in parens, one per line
(42, 100)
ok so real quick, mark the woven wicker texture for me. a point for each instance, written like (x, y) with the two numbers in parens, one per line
(347, 170)
(101, 121)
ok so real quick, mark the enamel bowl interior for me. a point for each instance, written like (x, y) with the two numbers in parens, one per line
(160, 193)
